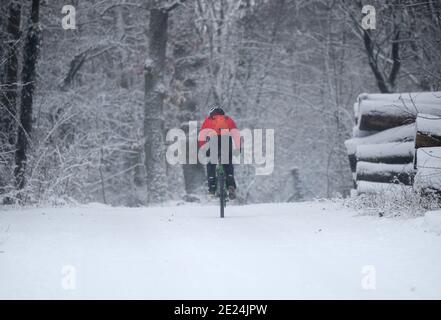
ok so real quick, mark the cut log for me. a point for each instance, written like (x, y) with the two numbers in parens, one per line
(398, 134)
(428, 131)
(357, 133)
(376, 113)
(352, 163)
(386, 173)
(428, 175)
(385, 115)
(367, 187)
(392, 152)
(382, 115)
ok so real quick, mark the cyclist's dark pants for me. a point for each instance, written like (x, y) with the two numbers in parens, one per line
(229, 168)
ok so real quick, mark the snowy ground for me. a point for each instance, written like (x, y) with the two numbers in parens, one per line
(274, 251)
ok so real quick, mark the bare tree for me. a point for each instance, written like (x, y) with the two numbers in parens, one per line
(382, 45)
(155, 91)
(8, 101)
(30, 57)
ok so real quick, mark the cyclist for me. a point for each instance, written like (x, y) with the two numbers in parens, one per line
(220, 124)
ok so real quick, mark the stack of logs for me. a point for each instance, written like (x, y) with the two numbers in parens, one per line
(396, 142)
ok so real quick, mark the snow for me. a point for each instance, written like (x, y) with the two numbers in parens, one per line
(429, 124)
(401, 133)
(383, 168)
(432, 221)
(400, 98)
(392, 108)
(267, 251)
(428, 168)
(385, 150)
(356, 109)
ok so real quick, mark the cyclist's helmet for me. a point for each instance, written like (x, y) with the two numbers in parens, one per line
(216, 109)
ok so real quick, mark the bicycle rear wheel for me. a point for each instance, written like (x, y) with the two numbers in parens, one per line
(222, 194)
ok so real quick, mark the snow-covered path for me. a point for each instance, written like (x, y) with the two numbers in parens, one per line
(303, 250)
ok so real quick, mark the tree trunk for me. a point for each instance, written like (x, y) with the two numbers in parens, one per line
(8, 108)
(28, 79)
(185, 76)
(373, 62)
(153, 112)
(386, 85)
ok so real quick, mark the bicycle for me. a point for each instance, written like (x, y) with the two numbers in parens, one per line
(222, 188)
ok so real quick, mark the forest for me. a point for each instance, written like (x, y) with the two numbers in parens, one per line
(89, 89)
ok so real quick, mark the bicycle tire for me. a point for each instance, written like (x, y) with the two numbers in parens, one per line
(222, 195)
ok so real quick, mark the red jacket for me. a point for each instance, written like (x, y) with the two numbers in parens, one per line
(217, 123)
